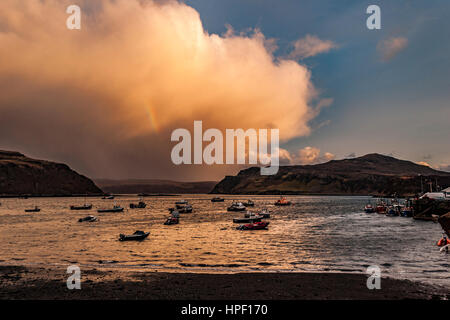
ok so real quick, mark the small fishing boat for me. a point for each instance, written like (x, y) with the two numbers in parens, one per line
(392, 211)
(181, 203)
(253, 226)
(175, 213)
(263, 213)
(249, 219)
(108, 197)
(35, 209)
(136, 236)
(113, 209)
(236, 206)
(369, 208)
(249, 203)
(217, 199)
(83, 207)
(407, 212)
(282, 202)
(185, 209)
(88, 219)
(443, 241)
(140, 205)
(172, 220)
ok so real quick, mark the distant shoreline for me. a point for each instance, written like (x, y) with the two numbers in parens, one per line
(24, 283)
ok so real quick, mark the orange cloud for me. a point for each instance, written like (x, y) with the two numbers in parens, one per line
(135, 71)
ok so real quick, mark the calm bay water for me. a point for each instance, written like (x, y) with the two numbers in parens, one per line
(316, 233)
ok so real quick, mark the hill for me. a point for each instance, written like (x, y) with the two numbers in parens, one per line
(20, 175)
(372, 174)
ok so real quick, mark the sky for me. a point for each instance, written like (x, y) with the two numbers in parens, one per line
(105, 99)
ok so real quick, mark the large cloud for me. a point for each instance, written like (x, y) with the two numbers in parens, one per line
(105, 98)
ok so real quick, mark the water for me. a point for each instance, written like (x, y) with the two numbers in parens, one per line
(316, 233)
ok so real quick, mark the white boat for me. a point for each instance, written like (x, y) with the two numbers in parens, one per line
(237, 206)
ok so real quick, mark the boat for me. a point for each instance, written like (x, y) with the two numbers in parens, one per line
(175, 213)
(114, 209)
(172, 220)
(185, 209)
(369, 208)
(253, 226)
(249, 203)
(181, 203)
(407, 212)
(108, 197)
(83, 207)
(136, 236)
(140, 205)
(217, 199)
(88, 219)
(35, 209)
(443, 242)
(249, 219)
(263, 213)
(392, 211)
(236, 206)
(282, 202)
(381, 207)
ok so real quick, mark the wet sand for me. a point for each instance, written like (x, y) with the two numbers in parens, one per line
(17, 282)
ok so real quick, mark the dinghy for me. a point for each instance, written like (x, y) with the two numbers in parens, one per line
(35, 209)
(114, 209)
(88, 219)
(137, 236)
(83, 207)
(172, 220)
(249, 219)
(217, 199)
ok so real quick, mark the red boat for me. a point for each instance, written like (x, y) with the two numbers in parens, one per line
(282, 202)
(254, 226)
(443, 242)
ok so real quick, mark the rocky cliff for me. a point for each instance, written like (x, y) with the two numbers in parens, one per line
(372, 174)
(20, 175)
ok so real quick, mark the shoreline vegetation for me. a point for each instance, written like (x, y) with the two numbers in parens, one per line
(24, 283)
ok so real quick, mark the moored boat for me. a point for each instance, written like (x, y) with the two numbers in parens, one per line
(236, 206)
(35, 209)
(83, 207)
(172, 220)
(136, 236)
(139, 205)
(369, 208)
(249, 219)
(185, 209)
(253, 226)
(217, 199)
(108, 197)
(282, 202)
(249, 203)
(263, 213)
(88, 219)
(113, 209)
(392, 211)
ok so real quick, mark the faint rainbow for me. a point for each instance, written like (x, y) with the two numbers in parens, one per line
(152, 118)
